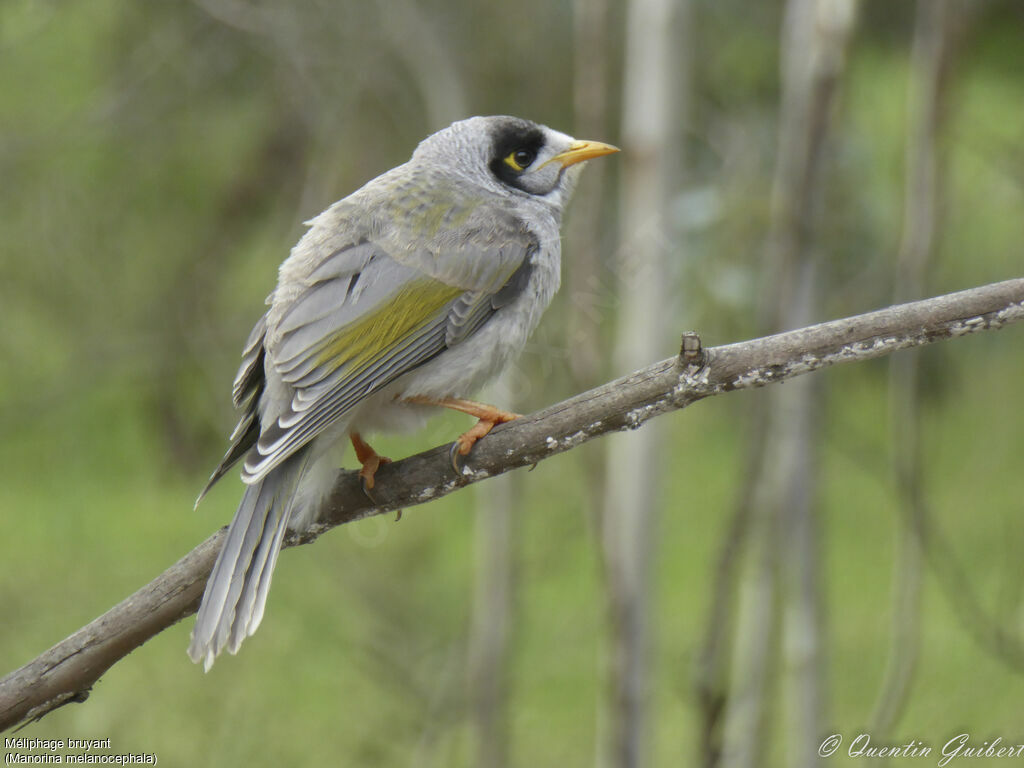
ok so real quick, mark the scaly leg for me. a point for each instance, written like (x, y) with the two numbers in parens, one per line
(488, 416)
(369, 458)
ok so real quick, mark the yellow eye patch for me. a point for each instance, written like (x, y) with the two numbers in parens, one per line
(519, 159)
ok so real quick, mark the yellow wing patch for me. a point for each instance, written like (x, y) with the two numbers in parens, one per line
(385, 328)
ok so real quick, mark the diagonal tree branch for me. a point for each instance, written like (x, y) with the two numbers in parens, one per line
(66, 672)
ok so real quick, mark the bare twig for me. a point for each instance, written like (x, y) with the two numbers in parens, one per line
(67, 671)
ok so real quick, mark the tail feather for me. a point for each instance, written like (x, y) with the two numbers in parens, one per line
(252, 600)
(264, 583)
(236, 591)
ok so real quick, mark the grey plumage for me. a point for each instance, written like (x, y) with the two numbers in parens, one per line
(238, 585)
(423, 283)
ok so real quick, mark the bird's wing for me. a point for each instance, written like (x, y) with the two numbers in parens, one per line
(368, 313)
(248, 386)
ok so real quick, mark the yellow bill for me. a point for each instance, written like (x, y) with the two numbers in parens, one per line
(579, 151)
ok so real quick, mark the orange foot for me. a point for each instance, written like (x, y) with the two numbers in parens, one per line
(488, 417)
(369, 458)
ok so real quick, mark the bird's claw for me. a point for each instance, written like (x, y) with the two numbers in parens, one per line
(453, 455)
(371, 461)
(366, 485)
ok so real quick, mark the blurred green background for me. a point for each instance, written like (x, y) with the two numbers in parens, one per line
(157, 160)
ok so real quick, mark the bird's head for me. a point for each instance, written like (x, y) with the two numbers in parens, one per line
(512, 156)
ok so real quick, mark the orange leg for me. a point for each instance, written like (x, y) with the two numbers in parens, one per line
(369, 458)
(488, 416)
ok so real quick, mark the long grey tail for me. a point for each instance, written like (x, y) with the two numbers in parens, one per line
(236, 592)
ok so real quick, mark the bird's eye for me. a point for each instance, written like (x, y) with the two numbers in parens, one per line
(519, 159)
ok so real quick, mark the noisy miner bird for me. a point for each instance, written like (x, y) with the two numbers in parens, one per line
(408, 294)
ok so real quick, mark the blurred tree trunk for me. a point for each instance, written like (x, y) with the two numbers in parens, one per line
(587, 242)
(654, 100)
(781, 486)
(416, 39)
(923, 190)
(493, 605)
(587, 233)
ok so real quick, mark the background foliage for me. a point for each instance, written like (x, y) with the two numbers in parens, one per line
(156, 162)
